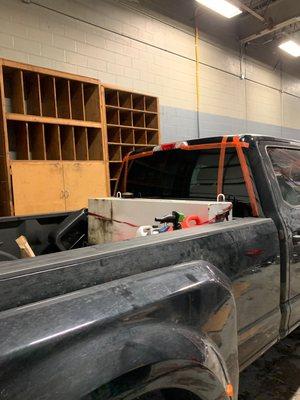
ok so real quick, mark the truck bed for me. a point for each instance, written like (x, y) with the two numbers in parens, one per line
(30, 280)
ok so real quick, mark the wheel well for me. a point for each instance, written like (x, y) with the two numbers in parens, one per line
(169, 394)
(120, 384)
(178, 394)
(136, 375)
(164, 394)
(140, 375)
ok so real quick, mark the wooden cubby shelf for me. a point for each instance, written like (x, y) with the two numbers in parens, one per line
(63, 137)
(40, 94)
(132, 122)
(52, 142)
(35, 141)
(127, 136)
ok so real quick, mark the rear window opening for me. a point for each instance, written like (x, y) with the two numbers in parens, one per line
(193, 174)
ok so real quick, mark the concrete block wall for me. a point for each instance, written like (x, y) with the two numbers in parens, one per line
(122, 45)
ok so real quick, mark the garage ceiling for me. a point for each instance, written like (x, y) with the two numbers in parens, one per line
(229, 32)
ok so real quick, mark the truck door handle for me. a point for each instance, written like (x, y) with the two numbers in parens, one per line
(296, 239)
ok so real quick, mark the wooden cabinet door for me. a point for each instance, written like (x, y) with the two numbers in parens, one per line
(38, 187)
(84, 180)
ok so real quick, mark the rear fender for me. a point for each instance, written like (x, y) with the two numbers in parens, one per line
(69, 346)
(202, 371)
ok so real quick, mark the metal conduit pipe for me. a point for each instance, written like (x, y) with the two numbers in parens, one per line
(249, 10)
(267, 31)
(197, 59)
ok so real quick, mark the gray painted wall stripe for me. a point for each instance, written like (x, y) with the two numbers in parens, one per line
(180, 124)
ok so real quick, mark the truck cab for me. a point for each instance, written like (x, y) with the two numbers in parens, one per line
(195, 169)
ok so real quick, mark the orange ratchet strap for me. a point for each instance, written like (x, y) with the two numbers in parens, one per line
(140, 155)
(208, 146)
(246, 175)
(221, 166)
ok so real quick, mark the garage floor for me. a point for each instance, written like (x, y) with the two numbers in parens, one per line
(276, 375)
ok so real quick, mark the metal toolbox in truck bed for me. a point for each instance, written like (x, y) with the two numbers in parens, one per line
(118, 212)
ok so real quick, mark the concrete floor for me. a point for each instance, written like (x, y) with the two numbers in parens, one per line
(276, 375)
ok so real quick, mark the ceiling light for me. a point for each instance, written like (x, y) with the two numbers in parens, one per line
(291, 47)
(222, 7)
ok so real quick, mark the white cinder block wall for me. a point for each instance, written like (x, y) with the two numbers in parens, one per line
(119, 44)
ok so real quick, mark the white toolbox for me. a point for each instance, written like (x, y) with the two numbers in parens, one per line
(141, 212)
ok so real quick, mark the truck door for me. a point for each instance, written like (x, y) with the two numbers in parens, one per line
(286, 167)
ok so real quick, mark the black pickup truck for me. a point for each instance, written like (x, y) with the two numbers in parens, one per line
(180, 313)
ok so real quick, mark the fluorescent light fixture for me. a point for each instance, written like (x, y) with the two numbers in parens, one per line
(222, 7)
(291, 47)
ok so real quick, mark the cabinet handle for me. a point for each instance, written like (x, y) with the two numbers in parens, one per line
(62, 194)
(67, 194)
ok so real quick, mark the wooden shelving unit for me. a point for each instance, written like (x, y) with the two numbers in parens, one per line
(63, 137)
(132, 122)
(50, 131)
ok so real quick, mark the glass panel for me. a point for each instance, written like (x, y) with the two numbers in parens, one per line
(286, 165)
(180, 174)
(168, 174)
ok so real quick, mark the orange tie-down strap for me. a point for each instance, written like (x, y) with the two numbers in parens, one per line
(221, 166)
(205, 146)
(246, 175)
(139, 155)
(223, 145)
